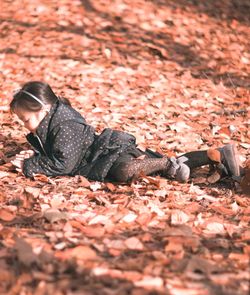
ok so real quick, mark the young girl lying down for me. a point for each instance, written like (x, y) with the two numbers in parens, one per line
(64, 144)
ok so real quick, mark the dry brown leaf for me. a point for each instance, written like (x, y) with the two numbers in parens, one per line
(214, 177)
(148, 282)
(6, 214)
(41, 177)
(179, 217)
(54, 215)
(3, 174)
(134, 243)
(145, 218)
(83, 181)
(82, 253)
(25, 252)
(199, 265)
(33, 191)
(223, 210)
(174, 247)
(214, 228)
(94, 231)
(111, 186)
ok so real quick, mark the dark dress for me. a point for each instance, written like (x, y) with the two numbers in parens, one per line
(66, 145)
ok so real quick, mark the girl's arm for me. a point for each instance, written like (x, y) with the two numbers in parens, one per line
(67, 144)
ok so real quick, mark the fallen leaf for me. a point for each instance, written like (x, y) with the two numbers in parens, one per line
(3, 174)
(54, 215)
(130, 217)
(99, 219)
(33, 191)
(172, 246)
(95, 186)
(134, 243)
(83, 253)
(150, 282)
(179, 217)
(198, 265)
(214, 177)
(41, 177)
(83, 181)
(6, 214)
(94, 231)
(215, 228)
(25, 252)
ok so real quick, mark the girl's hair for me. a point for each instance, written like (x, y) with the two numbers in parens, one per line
(33, 96)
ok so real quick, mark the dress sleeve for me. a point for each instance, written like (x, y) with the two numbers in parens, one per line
(68, 145)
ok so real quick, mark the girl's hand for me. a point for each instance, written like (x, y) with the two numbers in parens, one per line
(26, 154)
(19, 159)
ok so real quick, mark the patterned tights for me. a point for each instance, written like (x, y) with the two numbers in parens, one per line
(125, 170)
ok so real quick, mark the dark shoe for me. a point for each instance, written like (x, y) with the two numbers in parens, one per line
(229, 162)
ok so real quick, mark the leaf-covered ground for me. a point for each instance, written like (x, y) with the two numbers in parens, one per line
(176, 75)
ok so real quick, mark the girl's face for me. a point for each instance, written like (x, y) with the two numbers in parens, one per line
(31, 120)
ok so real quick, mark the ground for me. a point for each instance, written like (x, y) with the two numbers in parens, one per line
(176, 75)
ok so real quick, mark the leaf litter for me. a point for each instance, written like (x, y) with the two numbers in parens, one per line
(174, 74)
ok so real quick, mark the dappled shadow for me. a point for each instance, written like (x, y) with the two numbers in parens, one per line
(87, 5)
(226, 10)
(135, 44)
(58, 276)
(164, 47)
(10, 147)
(119, 273)
(229, 80)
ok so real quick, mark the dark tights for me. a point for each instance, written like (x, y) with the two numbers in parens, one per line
(125, 170)
(128, 167)
(197, 159)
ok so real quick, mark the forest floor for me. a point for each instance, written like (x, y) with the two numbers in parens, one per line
(176, 75)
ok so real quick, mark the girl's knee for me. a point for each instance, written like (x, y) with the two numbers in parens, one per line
(122, 172)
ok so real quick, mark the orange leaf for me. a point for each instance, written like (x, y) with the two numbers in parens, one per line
(41, 177)
(134, 243)
(6, 214)
(80, 252)
(83, 253)
(173, 246)
(110, 186)
(95, 231)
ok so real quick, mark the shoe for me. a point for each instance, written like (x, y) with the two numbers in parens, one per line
(228, 162)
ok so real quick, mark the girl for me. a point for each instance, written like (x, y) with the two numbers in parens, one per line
(64, 144)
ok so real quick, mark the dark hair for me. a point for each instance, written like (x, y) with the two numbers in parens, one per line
(25, 97)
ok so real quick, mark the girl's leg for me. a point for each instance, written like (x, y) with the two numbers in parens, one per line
(196, 159)
(124, 171)
(128, 167)
(224, 158)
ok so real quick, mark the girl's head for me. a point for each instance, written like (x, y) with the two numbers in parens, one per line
(32, 102)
